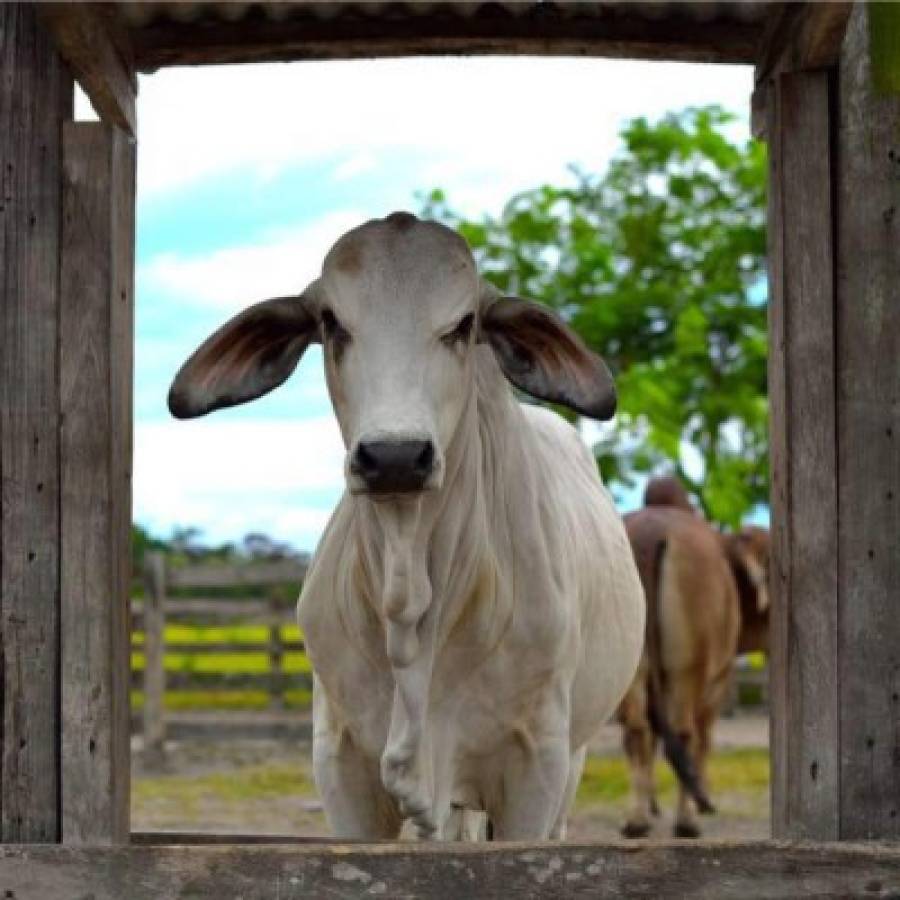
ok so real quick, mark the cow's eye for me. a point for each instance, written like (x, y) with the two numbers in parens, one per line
(460, 334)
(334, 331)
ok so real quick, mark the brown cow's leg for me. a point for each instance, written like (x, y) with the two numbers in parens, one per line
(639, 748)
(639, 743)
(683, 721)
(706, 717)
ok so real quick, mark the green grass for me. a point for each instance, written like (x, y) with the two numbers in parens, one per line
(605, 779)
(258, 782)
(184, 701)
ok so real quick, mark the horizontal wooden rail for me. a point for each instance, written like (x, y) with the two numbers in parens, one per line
(228, 575)
(228, 681)
(292, 871)
(207, 609)
(231, 647)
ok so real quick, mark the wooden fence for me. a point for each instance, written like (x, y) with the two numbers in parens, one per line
(162, 605)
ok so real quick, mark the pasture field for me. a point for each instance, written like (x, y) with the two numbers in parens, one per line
(245, 786)
(267, 786)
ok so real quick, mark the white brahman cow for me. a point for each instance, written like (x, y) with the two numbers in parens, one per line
(473, 612)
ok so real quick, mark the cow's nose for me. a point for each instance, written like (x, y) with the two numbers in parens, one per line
(392, 467)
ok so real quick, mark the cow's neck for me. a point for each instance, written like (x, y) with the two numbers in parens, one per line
(432, 548)
(426, 548)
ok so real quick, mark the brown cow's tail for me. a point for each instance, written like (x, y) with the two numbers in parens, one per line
(673, 746)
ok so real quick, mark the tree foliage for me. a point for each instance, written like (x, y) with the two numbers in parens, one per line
(659, 264)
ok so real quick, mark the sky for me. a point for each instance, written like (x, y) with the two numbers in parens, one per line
(248, 174)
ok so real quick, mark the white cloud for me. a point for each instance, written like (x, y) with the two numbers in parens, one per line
(510, 119)
(354, 166)
(231, 477)
(233, 277)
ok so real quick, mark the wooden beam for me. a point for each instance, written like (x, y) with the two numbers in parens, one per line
(804, 660)
(97, 49)
(798, 37)
(868, 392)
(802, 36)
(490, 29)
(36, 94)
(439, 871)
(96, 352)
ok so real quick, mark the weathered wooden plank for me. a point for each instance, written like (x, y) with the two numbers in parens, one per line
(488, 29)
(868, 351)
(233, 575)
(95, 476)
(812, 729)
(779, 468)
(154, 678)
(409, 871)
(97, 50)
(35, 99)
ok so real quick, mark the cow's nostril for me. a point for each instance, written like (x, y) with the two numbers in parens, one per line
(364, 461)
(425, 459)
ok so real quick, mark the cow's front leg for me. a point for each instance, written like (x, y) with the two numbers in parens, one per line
(534, 781)
(355, 801)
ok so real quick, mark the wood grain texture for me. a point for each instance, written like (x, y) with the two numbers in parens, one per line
(97, 50)
(441, 871)
(805, 727)
(487, 30)
(96, 387)
(35, 99)
(811, 665)
(868, 362)
(779, 463)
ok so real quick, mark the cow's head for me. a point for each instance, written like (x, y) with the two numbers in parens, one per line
(401, 311)
(748, 554)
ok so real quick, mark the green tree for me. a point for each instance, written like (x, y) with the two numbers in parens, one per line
(659, 264)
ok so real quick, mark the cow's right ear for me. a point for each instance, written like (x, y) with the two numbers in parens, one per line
(247, 357)
(749, 572)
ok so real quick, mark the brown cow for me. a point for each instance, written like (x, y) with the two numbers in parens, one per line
(698, 584)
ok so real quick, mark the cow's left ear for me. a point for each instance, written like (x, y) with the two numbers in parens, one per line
(542, 356)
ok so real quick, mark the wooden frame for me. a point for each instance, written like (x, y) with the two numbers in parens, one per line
(439, 871)
(65, 460)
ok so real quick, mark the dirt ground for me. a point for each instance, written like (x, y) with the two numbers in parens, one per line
(264, 786)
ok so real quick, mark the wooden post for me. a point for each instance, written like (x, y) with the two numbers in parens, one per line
(154, 659)
(276, 656)
(804, 686)
(868, 410)
(36, 94)
(835, 409)
(96, 352)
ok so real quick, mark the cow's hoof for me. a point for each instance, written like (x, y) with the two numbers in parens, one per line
(635, 829)
(685, 830)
